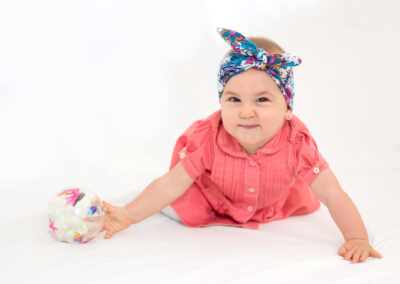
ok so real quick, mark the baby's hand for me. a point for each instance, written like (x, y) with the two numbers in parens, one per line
(358, 249)
(116, 219)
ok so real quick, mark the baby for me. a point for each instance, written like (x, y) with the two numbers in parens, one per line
(252, 161)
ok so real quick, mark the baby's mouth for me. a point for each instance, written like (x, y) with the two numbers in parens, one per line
(251, 126)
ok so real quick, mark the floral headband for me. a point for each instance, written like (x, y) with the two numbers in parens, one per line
(248, 55)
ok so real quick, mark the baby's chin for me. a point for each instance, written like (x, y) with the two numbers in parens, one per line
(254, 137)
(248, 132)
(249, 139)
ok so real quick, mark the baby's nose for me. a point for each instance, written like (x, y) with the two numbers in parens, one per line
(246, 112)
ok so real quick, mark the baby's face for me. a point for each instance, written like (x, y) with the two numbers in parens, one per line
(253, 109)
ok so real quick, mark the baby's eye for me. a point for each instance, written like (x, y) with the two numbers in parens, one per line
(233, 99)
(263, 99)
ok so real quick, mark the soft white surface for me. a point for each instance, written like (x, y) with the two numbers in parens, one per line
(95, 93)
(300, 249)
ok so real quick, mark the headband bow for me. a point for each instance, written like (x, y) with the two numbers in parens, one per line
(248, 55)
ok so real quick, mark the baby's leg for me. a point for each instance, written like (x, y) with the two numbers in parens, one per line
(192, 207)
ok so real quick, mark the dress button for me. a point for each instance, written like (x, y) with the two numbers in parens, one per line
(316, 170)
(250, 208)
(251, 189)
(182, 155)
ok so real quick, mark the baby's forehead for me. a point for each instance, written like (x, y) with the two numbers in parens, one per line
(253, 93)
(249, 86)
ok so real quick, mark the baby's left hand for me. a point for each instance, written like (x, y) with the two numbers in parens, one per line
(358, 249)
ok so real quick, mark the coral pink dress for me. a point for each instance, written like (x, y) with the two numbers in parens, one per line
(236, 189)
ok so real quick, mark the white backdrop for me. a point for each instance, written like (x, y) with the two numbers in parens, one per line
(95, 93)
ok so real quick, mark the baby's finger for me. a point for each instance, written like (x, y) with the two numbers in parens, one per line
(364, 255)
(114, 228)
(106, 224)
(376, 254)
(109, 234)
(92, 218)
(342, 251)
(109, 209)
(356, 256)
(106, 205)
(348, 254)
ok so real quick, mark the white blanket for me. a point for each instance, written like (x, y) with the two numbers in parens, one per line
(300, 249)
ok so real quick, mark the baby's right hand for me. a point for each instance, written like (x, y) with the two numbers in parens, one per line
(116, 219)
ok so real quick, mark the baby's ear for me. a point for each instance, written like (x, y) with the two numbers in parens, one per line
(289, 113)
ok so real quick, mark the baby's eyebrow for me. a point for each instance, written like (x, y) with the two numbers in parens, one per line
(264, 93)
(257, 94)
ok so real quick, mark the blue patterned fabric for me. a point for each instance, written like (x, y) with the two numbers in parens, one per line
(248, 55)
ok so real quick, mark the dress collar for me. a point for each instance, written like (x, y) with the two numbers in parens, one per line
(230, 145)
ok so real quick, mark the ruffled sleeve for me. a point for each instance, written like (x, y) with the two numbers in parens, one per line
(308, 160)
(194, 148)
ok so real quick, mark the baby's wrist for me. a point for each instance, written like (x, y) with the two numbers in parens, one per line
(130, 215)
(365, 239)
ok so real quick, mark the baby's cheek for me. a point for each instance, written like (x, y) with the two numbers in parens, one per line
(229, 126)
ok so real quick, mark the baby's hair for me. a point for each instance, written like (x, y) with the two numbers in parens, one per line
(265, 43)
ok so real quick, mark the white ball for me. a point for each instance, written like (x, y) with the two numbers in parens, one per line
(75, 216)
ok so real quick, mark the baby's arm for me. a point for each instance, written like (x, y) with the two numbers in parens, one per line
(345, 215)
(158, 194)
